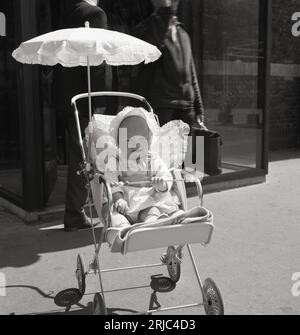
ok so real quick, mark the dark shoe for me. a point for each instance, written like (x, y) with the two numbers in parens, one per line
(86, 224)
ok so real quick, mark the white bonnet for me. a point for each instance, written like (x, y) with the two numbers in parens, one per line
(134, 111)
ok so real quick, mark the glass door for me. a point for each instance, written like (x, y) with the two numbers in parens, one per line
(233, 51)
(47, 20)
(229, 47)
(10, 152)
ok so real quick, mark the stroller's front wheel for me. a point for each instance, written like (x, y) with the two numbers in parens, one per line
(213, 302)
(98, 305)
(81, 274)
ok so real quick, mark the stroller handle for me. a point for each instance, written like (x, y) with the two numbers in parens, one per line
(112, 94)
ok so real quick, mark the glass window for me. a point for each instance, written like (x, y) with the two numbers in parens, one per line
(228, 49)
(232, 54)
(49, 14)
(10, 154)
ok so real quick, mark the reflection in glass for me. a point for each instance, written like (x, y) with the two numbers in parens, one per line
(10, 155)
(228, 40)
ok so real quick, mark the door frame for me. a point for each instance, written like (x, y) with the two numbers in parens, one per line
(31, 122)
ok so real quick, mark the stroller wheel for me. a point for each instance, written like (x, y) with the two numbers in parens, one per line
(173, 264)
(81, 274)
(98, 305)
(213, 303)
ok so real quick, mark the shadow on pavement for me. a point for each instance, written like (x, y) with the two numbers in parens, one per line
(36, 289)
(74, 308)
(25, 245)
(88, 310)
(69, 300)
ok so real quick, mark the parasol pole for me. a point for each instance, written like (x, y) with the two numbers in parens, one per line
(87, 25)
(88, 163)
(89, 87)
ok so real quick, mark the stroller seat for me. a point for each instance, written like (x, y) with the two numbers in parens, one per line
(184, 227)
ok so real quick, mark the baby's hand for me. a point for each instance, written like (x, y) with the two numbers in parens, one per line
(159, 184)
(121, 206)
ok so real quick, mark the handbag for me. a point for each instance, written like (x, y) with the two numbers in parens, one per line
(212, 150)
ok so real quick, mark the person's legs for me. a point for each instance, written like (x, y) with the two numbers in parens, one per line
(76, 193)
(165, 115)
(186, 116)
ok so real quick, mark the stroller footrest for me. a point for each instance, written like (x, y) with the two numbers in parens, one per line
(158, 237)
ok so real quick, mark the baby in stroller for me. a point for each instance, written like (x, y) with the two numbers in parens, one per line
(140, 188)
(141, 182)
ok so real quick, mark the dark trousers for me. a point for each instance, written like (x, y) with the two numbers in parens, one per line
(166, 115)
(76, 192)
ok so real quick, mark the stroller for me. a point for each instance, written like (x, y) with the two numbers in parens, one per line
(175, 232)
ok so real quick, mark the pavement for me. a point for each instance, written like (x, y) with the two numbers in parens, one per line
(252, 257)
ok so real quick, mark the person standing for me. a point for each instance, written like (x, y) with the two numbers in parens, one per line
(69, 82)
(170, 84)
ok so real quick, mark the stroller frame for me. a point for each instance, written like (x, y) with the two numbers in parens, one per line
(211, 297)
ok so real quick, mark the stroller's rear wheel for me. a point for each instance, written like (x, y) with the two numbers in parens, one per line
(173, 264)
(81, 274)
(213, 303)
(98, 305)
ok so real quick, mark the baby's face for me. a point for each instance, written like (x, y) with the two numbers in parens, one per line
(138, 134)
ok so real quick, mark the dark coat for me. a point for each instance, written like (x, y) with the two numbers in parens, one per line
(171, 82)
(69, 82)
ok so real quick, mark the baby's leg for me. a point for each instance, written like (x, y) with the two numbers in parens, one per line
(150, 214)
(118, 220)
